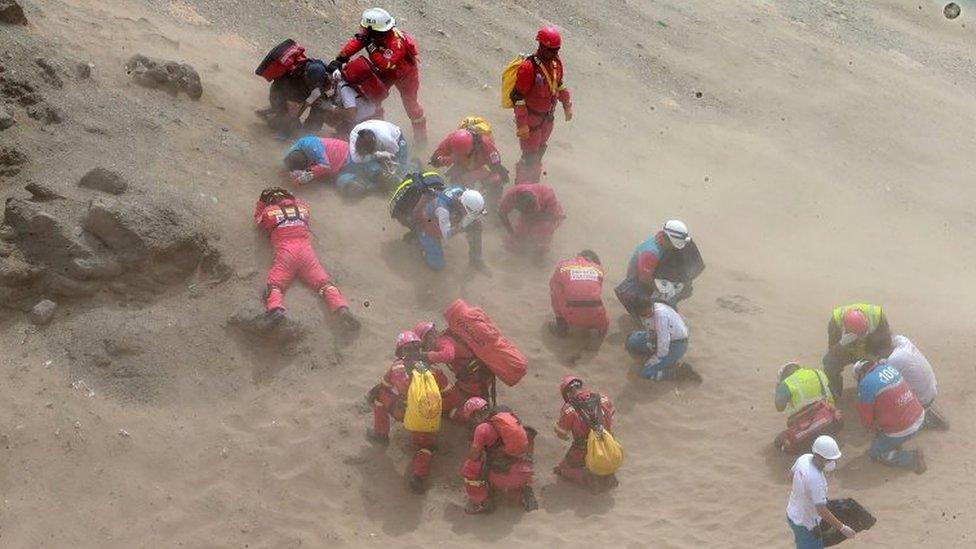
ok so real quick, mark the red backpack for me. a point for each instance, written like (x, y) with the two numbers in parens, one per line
(514, 438)
(281, 61)
(361, 74)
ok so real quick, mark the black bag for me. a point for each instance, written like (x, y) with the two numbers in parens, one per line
(850, 513)
(406, 197)
(682, 265)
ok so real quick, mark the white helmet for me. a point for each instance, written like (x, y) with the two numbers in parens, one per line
(826, 447)
(677, 232)
(377, 19)
(474, 206)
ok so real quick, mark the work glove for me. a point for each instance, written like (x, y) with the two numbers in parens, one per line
(847, 338)
(847, 531)
(336, 64)
(521, 131)
(383, 155)
(301, 177)
(568, 112)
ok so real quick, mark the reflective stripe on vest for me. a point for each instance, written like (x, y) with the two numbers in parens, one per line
(872, 312)
(805, 389)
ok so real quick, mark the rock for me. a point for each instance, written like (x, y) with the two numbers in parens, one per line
(104, 180)
(169, 76)
(49, 73)
(94, 268)
(66, 287)
(951, 10)
(46, 114)
(6, 119)
(42, 234)
(15, 272)
(11, 160)
(41, 193)
(43, 312)
(84, 70)
(11, 13)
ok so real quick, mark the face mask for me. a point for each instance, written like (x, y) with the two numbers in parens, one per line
(830, 466)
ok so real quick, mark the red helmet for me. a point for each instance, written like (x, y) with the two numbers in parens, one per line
(421, 328)
(855, 322)
(549, 37)
(569, 382)
(471, 406)
(406, 338)
(461, 143)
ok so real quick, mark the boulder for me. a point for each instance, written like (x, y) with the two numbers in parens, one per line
(43, 312)
(6, 119)
(11, 160)
(169, 76)
(11, 13)
(41, 193)
(42, 234)
(104, 180)
(15, 272)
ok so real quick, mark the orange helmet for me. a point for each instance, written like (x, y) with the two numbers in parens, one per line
(855, 322)
(548, 37)
(472, 405)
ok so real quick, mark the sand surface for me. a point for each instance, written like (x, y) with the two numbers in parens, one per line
(830, 158)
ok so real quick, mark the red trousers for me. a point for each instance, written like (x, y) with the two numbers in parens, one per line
(422, 442)
(295, 256)
(535, 235)
(408, 84)
(510, 482)
(584, 318)
(573, 466)
(529, 168)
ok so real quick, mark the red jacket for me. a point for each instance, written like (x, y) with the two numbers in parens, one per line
(284, 219)
(457, 355)
(570, 421)
(576, 280)
(482, 152)
(538, 87)
(886, 403)
(393, 52)
(549, 208)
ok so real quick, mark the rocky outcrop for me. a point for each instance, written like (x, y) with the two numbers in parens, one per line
(169, 76)
(104, 180)
(11, 13)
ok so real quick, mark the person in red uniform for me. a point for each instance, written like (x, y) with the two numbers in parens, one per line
(390, 400)
(576, 293)
(471, 158)
(540, 214)
(313, 157)
(394, 53)
(471, 377)
(577, 417)
(489, 467)
(286, 219)
(538, 86)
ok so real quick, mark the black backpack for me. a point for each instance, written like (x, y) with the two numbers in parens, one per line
(406, 197)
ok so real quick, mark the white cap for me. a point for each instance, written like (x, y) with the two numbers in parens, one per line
(377, 19)
(474, 207)
(826, 447)
(677, 232)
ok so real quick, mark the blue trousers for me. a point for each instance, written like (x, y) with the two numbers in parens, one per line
(367, 173)
(804, 537)
(433, 251)
(887, 450)
(652, 368)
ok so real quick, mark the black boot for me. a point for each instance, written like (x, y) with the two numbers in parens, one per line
(529, 502)
(271, 319)
(417, 484)
(349, 322)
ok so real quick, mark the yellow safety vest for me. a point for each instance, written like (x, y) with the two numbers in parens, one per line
(873, 312)
(807, 386)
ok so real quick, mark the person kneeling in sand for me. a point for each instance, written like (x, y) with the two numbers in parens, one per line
(378, 158)
(662, 344)
(316, 158)
(582, 411)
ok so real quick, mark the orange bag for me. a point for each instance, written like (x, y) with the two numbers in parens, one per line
(473, 326)
(515, 441)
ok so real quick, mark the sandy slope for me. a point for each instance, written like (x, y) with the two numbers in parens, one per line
(829, 159)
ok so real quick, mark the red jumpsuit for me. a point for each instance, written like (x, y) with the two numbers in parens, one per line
(287, 222)
(533, 230)
(576, 292)
(395, 54)
(573, 466)
(538, 86)
(391, 401)
(506, 473)
(481, 162)
(469, 382)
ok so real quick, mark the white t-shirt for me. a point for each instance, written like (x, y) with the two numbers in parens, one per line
(809, 491)
(911, 363)
(668, 325)
(347, 97)
(387, 138)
